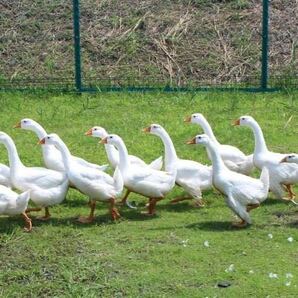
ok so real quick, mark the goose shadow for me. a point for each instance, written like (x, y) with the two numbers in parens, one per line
(293, 224)
(272, 201)
(215, 226)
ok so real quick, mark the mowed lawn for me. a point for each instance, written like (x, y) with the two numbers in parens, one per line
(163, 256)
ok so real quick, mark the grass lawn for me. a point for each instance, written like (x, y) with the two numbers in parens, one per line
(164, 256)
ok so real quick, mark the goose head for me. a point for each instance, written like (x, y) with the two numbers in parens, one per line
(197, 118)
(51, 139)
(26, 123)
(154, 129)
(97, 132)
(199, 139)
(111, 139)
(292, 158)
(244, 121)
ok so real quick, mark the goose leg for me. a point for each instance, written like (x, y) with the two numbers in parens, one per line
(151, 206)
(241, 224)
(251, 207)
(124, 199)
(180, 199)
(89, 218)
(28, 222)
(114, 212)
(292, 195)
(28, 210)
(46, 216)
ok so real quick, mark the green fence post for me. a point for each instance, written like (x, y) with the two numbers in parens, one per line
(77, 44)
(265, 45)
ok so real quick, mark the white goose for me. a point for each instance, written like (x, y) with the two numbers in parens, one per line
(112, 152)
(145, 181)
(192, 176)
(113, 157)
(243, 193)
(5, 175)
(233, 158)
(96, 184)
(51, 155)
(12, 203)
(47, 187)
(280, 173)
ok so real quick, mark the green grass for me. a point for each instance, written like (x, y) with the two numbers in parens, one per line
(162, 256)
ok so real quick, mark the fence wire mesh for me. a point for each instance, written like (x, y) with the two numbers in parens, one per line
(144, 44)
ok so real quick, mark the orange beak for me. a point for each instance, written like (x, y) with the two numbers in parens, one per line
(192, 141)
(283, 160)
(104, 141)
(42, 141)
(236, 122)
(89, 132)
(147, 129)
(18, 125)
(187, 119)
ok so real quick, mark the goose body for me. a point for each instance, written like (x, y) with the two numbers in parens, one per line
(242, 192)
(192, 176)
(281, 174)
(96, 184)
(51, 155)
(47, 187)
(113, 154)
(12, 203)
(145, 181)
(233, 157)
(5, 175)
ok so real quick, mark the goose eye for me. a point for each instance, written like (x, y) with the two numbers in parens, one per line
(199, 138)
(95, 128)
(154, 126)
(25, 121)
(111, 137)
(242, 118)
(48, 138)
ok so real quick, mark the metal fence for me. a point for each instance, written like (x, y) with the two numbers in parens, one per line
(70, 57)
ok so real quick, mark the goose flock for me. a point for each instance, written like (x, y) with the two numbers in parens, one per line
(229, 173)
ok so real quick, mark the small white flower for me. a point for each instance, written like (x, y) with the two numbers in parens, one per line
(251, 272)
(270, 236)
(288, 283)
(231, 268)
(290, 239)
(184, 242)
(273, 275)
(289, 275)
(206, 243)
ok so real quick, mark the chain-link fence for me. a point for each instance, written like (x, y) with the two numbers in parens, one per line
(149, 44)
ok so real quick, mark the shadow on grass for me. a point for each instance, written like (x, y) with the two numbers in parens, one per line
(293, 224)
(214, 226)
(271, 201)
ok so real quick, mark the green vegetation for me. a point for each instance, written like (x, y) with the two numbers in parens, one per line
(164, 256)
(208, 42)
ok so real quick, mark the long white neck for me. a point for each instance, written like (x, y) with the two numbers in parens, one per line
(208, 130)
(170, 152)
(39, 130)
(41, 133)
(217, 162)
(123, 156)
(260, 144)
(112, 152)
(66, 155)
(13, 156)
